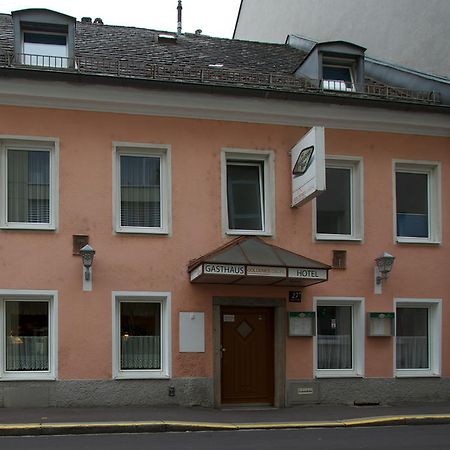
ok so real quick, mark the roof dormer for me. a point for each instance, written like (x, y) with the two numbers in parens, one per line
(338, 65)
(44, 38)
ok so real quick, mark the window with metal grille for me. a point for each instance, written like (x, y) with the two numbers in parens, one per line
(44, 49)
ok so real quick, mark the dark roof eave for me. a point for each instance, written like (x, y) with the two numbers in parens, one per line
(236, 242)
(239, 90)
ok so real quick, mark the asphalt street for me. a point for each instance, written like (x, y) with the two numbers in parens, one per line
(419, 437)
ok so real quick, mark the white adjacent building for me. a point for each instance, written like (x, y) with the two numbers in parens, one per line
(410, 33)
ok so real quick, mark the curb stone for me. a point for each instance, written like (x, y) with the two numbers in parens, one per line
(159, 426)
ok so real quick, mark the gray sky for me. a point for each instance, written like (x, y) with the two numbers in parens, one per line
(214, 17)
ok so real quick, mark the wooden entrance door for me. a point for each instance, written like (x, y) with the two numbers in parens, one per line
(247, 362)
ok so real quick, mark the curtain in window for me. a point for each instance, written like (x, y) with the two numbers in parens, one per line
(140, 191)
(140, 352)
(26, 336)
(28, 186)
(412, 338)
(140, 331)
(334, 340)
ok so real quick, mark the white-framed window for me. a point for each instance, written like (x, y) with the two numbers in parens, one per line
(43, 48)
(28, 335)
(142, 193)
(141, 335)
(339, 210)
(417, 337)
(417, 201)
(338, 76)
(339, 340)
(29, 172)
(248, 191)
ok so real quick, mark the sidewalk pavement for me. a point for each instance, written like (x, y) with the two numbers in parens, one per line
(48, 421)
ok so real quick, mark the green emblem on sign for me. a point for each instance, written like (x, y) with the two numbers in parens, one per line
(303, 162)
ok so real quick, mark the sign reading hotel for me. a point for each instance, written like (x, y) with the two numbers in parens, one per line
(310, 274)
(308, 166)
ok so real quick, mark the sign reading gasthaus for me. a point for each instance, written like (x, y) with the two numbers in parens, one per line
(224, 269)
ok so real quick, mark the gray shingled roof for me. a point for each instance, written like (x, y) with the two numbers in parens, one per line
(139, 45)
(137, 53)
(254, 250)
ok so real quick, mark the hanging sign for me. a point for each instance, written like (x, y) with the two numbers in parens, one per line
(308, 166)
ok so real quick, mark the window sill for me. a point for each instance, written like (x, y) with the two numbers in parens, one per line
(10, 376)
(337, 374)
(337, 237)
(141, 375)
(248, 233)
(416, 374)
(406, 240)
(137, 230)
(28, 226)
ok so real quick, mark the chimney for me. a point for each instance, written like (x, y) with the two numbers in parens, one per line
(98, 21)
(179, 8)
(86, 19)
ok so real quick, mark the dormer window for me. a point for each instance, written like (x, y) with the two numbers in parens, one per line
(336, 65)
(338, 77)
(44, 49)
(44, 38)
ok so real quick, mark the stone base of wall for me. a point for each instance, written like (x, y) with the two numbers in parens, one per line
(90, 393)
(199, 392)
(367, 390)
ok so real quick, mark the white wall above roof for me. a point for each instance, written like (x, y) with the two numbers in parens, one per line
(411, 33)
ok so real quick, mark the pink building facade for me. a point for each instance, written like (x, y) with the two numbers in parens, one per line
(164, 182)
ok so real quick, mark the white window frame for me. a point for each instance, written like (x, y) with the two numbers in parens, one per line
(31, 295)
(433, 170)
(355, 165)
(267, 159)
(164, 299)
(434, 336)
(143, 150)
(358, 337)
(31, 144)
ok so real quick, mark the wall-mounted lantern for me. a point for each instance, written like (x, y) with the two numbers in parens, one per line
(383, 266)
(87, 256)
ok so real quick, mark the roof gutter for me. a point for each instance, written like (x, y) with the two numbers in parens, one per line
(330, 97)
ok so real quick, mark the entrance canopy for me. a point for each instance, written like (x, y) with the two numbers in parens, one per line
(251, 261)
